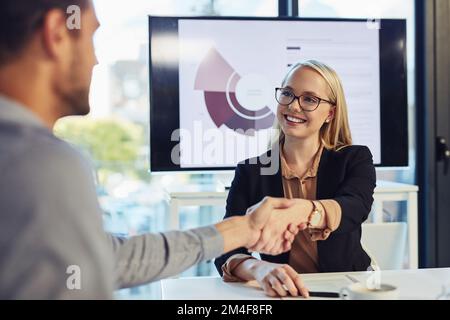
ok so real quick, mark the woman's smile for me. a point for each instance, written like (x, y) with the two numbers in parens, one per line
(294, 120)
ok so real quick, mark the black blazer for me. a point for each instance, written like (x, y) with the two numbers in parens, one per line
(347, 176)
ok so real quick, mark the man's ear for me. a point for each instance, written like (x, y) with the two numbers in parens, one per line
(55, 35)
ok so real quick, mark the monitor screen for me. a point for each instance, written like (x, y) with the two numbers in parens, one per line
(213, 80)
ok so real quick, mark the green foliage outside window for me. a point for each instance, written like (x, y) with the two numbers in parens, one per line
(114, 145)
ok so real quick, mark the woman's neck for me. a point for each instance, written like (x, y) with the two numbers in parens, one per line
(300, 152)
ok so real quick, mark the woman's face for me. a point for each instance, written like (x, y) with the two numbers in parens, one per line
(295, 122)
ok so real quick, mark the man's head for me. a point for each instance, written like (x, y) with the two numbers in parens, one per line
(42, 35)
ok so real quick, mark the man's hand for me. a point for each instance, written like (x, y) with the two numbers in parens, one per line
(254, 231)
(284, 215)
(260, 215)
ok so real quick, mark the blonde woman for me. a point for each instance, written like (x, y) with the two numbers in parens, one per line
(332, 180)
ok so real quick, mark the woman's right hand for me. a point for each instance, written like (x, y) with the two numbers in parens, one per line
(279, 279)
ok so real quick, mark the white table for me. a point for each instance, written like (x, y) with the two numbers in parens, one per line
(412, 284)
(199, 195)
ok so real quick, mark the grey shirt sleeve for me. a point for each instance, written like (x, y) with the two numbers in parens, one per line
(151, 257)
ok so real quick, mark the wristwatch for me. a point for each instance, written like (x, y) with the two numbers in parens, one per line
(315, 217)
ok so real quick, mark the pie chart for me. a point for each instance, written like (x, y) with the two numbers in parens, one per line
(239, 103)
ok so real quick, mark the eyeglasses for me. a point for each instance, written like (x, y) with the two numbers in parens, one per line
(307, 102)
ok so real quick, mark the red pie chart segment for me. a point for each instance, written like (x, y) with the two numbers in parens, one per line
(218, 80)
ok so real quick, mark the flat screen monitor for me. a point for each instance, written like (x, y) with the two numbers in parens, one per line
(212, 85)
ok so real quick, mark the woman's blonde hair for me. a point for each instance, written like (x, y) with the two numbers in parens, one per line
(336, 134)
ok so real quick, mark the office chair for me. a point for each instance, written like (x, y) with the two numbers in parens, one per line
(385, 243)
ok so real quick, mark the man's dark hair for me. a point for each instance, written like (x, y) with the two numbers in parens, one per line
(20, 19)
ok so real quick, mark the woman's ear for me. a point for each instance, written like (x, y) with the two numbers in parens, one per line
(331, 114)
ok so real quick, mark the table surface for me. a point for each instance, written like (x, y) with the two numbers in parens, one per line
(412, 284)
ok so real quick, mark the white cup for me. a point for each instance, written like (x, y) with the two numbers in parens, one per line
(358, 291)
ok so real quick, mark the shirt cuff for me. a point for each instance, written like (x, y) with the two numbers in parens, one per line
(331, 219)
(230, 265)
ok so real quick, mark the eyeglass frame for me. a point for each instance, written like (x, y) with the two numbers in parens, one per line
(298, 99)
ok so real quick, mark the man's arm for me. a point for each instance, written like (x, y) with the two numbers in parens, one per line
(71, 233)
(151, 257)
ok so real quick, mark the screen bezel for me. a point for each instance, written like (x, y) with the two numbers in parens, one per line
(394, 134)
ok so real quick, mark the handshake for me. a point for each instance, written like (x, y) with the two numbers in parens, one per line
(269, 226)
